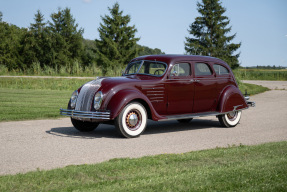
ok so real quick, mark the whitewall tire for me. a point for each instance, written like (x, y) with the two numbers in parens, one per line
(230, 119)
(132, 120)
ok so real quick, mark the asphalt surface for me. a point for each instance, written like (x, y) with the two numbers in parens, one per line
(46, 144)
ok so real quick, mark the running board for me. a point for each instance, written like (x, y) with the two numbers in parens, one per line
(189, 116)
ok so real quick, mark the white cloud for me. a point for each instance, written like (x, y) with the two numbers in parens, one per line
(87, 1)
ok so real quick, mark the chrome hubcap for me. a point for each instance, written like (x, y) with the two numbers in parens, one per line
(232, 116)
(133, 119)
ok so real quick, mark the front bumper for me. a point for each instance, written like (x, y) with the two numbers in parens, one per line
(86, 115)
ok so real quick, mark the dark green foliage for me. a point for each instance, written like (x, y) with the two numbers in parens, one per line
(144, 50)
(58, 48)
(10, 44)
(90, 52)
(36, 42)
(67, 40)
(209, 34)
(117, 43)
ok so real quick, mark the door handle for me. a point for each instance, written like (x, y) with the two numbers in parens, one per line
(194, 80)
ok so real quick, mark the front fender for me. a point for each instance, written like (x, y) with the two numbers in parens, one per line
(231, 99)
(123, 97)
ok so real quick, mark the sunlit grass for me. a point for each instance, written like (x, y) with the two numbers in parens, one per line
(242, 168)
(23, 104)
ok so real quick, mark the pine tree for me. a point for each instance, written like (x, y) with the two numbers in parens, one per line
(210, 34)
(117, 44)
(36, 41)
(67, 39)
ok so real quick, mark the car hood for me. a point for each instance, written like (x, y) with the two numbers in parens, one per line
(126, 79)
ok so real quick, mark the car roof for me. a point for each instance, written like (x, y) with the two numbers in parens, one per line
(175, 58)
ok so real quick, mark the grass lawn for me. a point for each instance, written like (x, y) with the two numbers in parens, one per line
(252, 89)
(22, 104)
(242, 168)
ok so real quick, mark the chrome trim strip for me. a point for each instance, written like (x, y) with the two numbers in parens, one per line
(100, 115)
(188, 116)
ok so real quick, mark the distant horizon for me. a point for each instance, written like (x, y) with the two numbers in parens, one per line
(259, 25)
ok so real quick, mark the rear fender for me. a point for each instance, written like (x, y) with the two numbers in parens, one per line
(123, 97)
(231, 99)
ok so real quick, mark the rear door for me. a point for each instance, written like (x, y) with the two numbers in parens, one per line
(205, 91)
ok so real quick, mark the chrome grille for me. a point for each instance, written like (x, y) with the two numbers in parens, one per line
(85, 97)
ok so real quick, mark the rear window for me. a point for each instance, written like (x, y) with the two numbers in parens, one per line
(201, 69)
(220, 70)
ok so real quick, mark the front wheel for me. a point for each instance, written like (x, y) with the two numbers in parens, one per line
(132, 120)
(230, 119)
(84, 126)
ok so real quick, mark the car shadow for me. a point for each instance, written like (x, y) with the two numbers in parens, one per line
(153, 127)
(174, 126)
(103, 131)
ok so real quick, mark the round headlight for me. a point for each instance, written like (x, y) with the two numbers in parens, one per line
(74, 99)
(98, 100)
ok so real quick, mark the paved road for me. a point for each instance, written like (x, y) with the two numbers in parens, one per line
(46, 144)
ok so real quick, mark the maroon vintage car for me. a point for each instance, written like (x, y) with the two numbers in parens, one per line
(161, 88)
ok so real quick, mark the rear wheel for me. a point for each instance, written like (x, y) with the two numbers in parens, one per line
(230, 119)
(84, 126)
(132, 120)
(184, 120)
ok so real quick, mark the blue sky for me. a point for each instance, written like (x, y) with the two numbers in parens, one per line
(261, 25)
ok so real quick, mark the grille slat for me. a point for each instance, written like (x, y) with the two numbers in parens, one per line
(85, 97)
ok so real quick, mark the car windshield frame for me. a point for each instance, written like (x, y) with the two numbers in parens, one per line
(140, 66)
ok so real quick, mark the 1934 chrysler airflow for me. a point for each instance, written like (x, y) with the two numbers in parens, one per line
(159, 87)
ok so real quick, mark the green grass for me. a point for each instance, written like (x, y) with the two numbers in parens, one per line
(42, 83)
(263, 74)
(252, 89)
(242, 168)
(24, 104)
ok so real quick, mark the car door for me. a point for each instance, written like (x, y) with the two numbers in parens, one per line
(204, 88)
(180, 89)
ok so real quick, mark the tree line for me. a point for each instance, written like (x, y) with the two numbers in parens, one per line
(58, 44)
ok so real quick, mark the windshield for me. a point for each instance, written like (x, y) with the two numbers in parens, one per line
(146, 67)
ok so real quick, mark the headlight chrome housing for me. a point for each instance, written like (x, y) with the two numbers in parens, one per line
(98, 100)
(73, 99)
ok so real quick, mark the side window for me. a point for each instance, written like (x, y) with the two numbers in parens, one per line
(220, 70)
(180, 69)
(202, 69)
(157, 69)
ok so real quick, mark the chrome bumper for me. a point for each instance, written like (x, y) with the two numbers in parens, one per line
(97, 115)
(249, 103)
